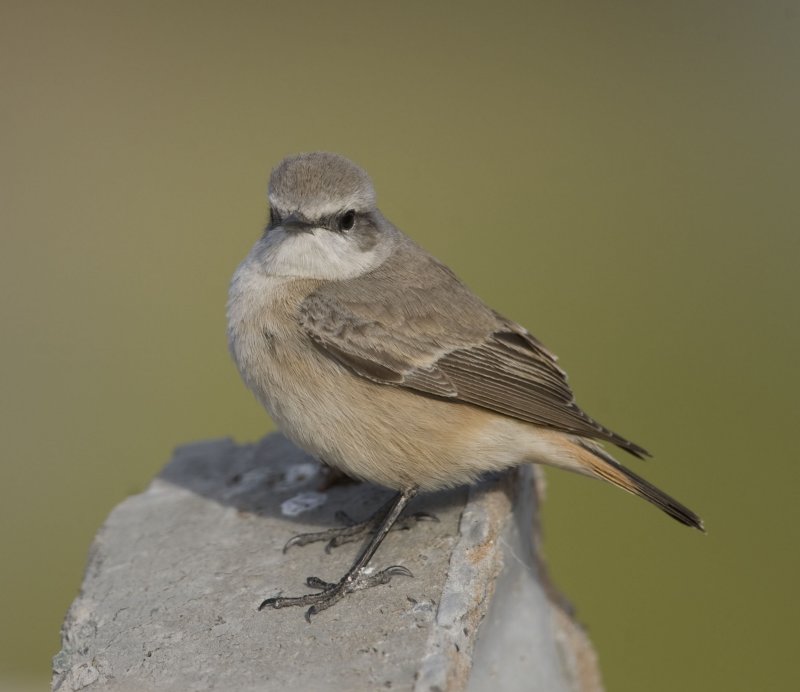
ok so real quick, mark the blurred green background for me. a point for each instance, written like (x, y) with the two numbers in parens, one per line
(620, 177)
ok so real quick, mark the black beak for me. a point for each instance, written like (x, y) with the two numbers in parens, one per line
(295, 223)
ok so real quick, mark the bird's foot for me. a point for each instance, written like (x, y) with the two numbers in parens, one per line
(333, 592)
(354, 530)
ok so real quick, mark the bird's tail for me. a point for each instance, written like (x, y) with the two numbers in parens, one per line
(600, 464)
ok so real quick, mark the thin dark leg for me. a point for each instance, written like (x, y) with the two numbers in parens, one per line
(354, 580)
(355, 530)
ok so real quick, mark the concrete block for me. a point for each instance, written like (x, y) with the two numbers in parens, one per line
(170, 595)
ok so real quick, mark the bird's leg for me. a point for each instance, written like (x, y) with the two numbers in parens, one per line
(355, 530)
(355, 579)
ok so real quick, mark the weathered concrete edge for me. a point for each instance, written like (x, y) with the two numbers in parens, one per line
(475, 564)
(477, 561)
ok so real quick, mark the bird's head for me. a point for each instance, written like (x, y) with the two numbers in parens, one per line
(323, 220)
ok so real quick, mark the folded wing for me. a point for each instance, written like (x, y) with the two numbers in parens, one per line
(438, 339)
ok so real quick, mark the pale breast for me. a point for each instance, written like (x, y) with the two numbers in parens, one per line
(262, 326)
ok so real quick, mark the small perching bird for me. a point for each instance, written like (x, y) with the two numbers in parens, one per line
(372, 355)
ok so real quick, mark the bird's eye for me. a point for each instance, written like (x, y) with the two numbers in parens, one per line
(348, 220)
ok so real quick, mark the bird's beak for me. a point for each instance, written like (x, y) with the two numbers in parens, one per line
(295, 223)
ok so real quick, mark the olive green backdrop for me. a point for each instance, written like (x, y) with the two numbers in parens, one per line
(620, 177)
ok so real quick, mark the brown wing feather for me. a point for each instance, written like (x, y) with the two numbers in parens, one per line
(428, 341)
(523, 383)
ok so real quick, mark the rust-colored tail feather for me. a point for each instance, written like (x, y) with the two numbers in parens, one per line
(604, 466)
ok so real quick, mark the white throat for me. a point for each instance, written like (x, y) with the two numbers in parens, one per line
(318, 254)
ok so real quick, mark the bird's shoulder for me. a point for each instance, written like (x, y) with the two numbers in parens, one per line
(410, 296)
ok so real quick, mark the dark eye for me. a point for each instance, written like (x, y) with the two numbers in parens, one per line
(348, 220)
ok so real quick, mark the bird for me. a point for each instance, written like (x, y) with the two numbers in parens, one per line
(372, 355)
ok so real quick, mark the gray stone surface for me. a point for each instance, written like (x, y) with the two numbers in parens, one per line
(175, 576)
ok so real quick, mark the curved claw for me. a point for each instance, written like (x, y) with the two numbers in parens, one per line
(398, 571)
(294, 540)
(268, 602)
(311, 611)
